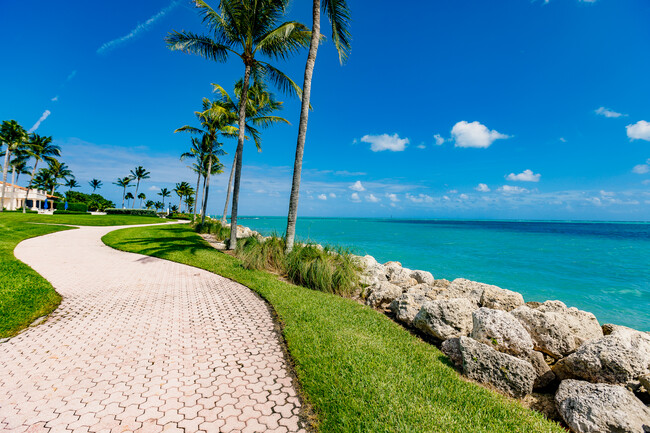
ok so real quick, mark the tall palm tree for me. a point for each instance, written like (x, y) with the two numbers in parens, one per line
(182, 189)
(159, 205)
(215, 121)
(95, 184)
(245, 28)
(164, 192)
(138, 174)
(123, 182)
(189, 201)
(141, 197)
(19, 165)
(41, 149)
(129, 196)
(196, 151)
(44, 180)
(58, 170)
(13, 136)
(149, 204)
(261, 103)
(72, 183)
(339, 16)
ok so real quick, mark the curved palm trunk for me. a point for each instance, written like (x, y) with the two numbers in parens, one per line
(238, 157)
(5, 168)
(302, 128)
(137, 185)
(206, 189)
(13, 183)
(29, 186)
(225, 207)
(198, 184)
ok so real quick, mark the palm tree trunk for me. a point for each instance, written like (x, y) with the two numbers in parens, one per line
(13, 183)
(198, 184)
(206, 189)
(29, 185)
(137, 185)
(302, 128)
(5, 168)
(123, 193)
(225, 207)
(238, 157)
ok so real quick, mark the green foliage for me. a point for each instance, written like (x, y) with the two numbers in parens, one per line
(180, 216)
(136, 212)
(213, 227)
(72, 206)
(267, 255)
(68, 212)
(93, 202)
(359, 370)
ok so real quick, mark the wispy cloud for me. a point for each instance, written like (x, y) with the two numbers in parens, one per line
(71, 75)
(44, 116)
(602, 111)
(140, 28)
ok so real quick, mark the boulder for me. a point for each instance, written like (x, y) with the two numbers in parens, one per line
(618, 358)
(501, 331)
(382, 293)
(557, 330)
(441, 284)
(601, 408)
(500, 299)
(398, 274)
(445, 318)
(545, 375)
(422, 277)
(505, 372)
(408, 305)
(451, 348)
(462, 288)
(371, 271)
(645, 382)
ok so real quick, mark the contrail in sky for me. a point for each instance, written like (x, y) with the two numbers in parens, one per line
(46, 113)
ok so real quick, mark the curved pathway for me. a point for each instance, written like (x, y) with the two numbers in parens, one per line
(142, 344)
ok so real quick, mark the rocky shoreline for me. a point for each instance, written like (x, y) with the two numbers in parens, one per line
(597, 378)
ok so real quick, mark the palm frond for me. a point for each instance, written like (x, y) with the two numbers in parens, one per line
(201, 45)
(279, 79)
(285, 40)
(190, 129)
(339, 15)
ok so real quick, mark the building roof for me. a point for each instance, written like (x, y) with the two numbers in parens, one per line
(25, 189)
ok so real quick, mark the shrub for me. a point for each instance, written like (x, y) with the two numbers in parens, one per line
(68, 212)
(213, 227)
(93, 201)
(72, 207)
(138, 212)
(269, 255)
(179, 216)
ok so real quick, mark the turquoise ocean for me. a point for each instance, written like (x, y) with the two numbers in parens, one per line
(600, 267)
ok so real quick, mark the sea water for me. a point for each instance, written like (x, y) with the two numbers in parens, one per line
(599, 267)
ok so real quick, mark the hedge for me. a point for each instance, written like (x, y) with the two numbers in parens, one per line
(138, 212)
(72, 207)
(69, 212)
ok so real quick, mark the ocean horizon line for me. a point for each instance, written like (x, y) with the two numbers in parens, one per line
(577, 221)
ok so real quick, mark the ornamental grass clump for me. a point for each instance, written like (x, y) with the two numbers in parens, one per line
(213, 227)
(268, 255)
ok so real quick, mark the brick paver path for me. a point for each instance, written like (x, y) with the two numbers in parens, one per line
(142, 344)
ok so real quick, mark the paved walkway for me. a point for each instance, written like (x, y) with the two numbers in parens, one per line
(142, 344)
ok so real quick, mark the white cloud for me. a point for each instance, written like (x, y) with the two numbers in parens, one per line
(392, 197)
(142, 27)
(421, 146)
(639, 131)
(420, 198)
(474, 134)
(642, 168)
(71, 75)
(154, 188)
(44, 116)
(524, 176)
(463, 196)
(439, 140)
(357, 186)
(355, 197)
(372, 199)
(383, 142)
(481, 187)
(56, 98)
(322, 197)
(332, 195)
(452, 191)
(602, 111)
(349, 173)
(563, 140)
(507, 189)
(607, 193)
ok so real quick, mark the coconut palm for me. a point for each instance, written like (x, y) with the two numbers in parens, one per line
(339, 16)
(41, 149)
(189, 201)
(13, 136)
(44, 180)
(129, 196)
(164, 192)
(259, 107)
(138, 174)
(196, 151)
(141, 197)
(95, 184)
(72, 183)
(182, 189)
(245, 28)
(159, 205)
(173, 208)
(58, 170)
(149, 204)
(123, 182)
(19, 166)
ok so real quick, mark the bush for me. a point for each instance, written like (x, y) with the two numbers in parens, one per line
(72, 207)
(213, 227)
(180, 216)
(94, 202)
(137, 212)
(68, 212)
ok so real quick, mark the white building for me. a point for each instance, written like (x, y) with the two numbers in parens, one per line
(15, 195)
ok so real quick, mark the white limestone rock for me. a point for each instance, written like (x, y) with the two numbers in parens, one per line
(501, 331)
(382, 293)
(445, 318)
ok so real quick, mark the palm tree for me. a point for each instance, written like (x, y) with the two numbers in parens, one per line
(138, 174)
(19, 165)
(196, 151)
(259, 107)
(149, 204)
(41, 149)
(44, 180)
(123, 183)
(164, 192)
(72, 183)
(58, 170)
(128, 197)
(339, 16)
(182, 189)
(251, 27)
(173, 208)
(141, 197)
(159, 205)
(13, 136)
(189, 201)
(95, 184)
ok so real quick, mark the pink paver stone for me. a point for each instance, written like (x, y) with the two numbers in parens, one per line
(141, 343)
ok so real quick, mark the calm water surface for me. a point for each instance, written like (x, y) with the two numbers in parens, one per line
(599, 267)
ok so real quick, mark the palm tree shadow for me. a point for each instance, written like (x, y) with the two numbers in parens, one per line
(164, 246)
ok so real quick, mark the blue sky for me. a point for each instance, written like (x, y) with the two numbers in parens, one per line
(468, 109)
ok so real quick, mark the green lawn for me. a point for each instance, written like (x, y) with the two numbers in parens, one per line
(25, 295)
(360, 371)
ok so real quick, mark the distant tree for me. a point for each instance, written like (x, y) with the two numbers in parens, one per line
(123, 183)
(182, 189)
(95, 184)
(149, 204)
(19, 166)
(141, 197)
(159, 205)
(72, 183)
(164, 192)
(138, 174)
(173, 208)
(129, 196)
(12, 136)
(58, 170)
(41, 149)
(189, 202)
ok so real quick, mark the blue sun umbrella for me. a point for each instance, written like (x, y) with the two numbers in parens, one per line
(66, 205)
(45, 204)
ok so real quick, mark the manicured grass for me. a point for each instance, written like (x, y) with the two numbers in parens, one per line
(360, 371)
(80, 220)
